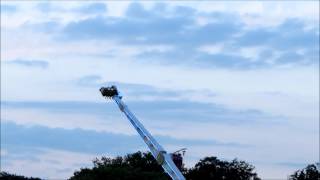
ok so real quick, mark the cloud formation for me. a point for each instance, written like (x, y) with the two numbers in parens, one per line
(185, 35)
(8, 8)
(226, 73)
(30, 63)
(16, 136)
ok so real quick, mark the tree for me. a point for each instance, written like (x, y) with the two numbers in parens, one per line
(144, 166)
(311, 172)
(213, 168)
(133, 166)
(7, 176)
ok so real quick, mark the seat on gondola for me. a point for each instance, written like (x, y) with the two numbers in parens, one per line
(109, 91)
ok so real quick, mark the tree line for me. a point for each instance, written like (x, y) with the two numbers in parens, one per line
(143, 166)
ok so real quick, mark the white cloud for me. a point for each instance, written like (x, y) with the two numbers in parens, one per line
(211, 49)
(3, 152)
(249, 88)
(264, 14)
(49, 164)
(252, 13)
(31, 117)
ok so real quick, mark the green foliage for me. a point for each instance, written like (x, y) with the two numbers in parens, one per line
(7, 176)
(133, 166)
(311, 172)
(213, 168)
(144, 166)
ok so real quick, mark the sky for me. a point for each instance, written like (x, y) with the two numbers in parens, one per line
(227, 79)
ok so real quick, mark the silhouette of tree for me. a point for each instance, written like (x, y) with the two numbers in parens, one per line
(144, 166)
(133, 166)
(213, 168)
(7, 176)
(311, 172)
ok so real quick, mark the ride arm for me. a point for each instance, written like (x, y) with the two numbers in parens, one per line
(162, 157)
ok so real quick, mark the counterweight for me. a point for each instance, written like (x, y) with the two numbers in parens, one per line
(162, 157)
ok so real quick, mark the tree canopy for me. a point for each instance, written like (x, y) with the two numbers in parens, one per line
(132, 166)
(143, 166)
(8, 176)
(213, 168)
(311, 172)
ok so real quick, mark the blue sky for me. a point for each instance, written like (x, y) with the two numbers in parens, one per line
(226, 79)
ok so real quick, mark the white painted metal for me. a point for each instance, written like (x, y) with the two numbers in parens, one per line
(162, 157)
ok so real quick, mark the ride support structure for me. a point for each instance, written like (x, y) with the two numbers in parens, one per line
(158, 152)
